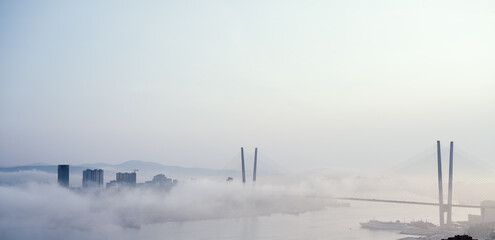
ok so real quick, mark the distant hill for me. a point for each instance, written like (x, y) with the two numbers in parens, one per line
(125, 167)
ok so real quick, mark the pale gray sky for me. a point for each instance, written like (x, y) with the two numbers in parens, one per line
(313, 84)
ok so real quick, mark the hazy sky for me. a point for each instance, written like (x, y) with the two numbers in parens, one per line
(313, 84)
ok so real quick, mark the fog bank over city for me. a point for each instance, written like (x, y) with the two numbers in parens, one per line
(49, 211)
(34, 204)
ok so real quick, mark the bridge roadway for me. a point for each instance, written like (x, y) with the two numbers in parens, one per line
(410, 202)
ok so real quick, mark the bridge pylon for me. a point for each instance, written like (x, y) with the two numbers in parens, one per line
(445, 208)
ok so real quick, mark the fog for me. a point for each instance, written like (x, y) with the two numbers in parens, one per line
(47, 211)
(350, 88)
(22, 177)
(37, 207)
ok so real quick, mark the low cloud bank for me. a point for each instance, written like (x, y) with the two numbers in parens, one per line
(23, 177)
(47, 211)
(43, 210)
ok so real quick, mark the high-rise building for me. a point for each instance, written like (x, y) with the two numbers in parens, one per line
(161, 181)
(92, 178)
(123, 179)
(126, 178)
(63, 175)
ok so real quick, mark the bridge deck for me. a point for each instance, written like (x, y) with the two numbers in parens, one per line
(411, 202)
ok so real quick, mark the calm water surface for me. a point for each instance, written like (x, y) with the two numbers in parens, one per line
(332, 223)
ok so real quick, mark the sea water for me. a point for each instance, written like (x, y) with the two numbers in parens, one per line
(331, 223)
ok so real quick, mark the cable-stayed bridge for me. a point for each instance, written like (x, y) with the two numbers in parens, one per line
(444, 206)
(473, 179)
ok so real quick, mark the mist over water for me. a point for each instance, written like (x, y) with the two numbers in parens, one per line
(288, 207)
(51, 212)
